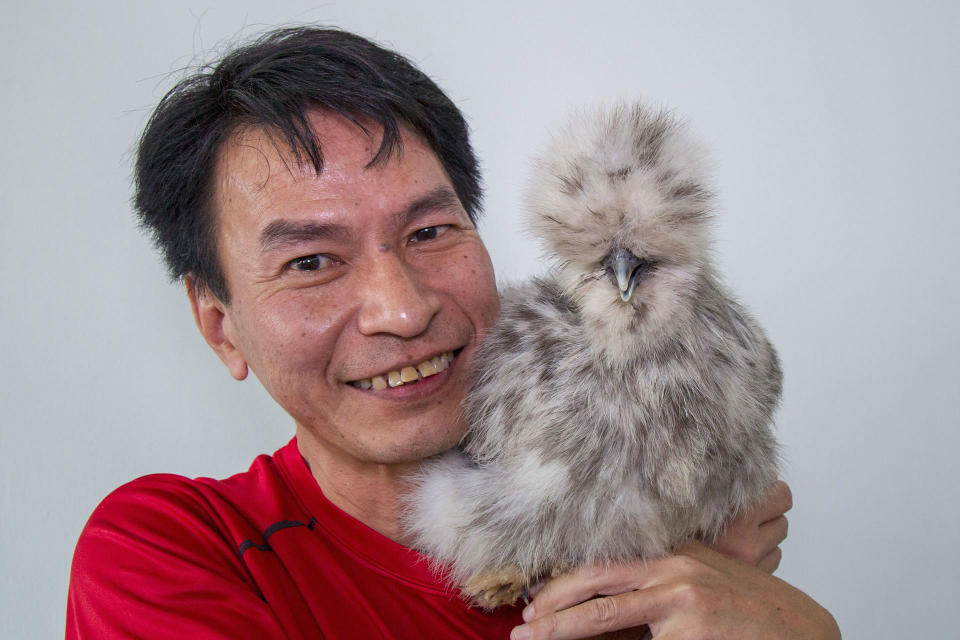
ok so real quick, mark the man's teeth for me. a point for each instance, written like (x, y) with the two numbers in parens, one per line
(399, 378)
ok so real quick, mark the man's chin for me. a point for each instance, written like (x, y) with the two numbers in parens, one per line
(413, 453)
(404, 446)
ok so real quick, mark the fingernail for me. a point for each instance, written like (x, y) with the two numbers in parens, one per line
(521, 633)
(527, 613)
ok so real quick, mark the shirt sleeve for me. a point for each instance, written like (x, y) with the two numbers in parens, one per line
(153, 562)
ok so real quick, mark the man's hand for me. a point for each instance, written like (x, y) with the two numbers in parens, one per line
(754, 536)
(697, 593)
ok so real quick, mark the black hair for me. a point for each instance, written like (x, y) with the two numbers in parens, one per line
(272, 82)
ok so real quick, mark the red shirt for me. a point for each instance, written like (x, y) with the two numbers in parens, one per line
(262, 554)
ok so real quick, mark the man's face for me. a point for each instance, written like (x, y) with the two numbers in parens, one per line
(337, 280)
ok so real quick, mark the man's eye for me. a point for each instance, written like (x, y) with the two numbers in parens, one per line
(312, 262)
(429, 233)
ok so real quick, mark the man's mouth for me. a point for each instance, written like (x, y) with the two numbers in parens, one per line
(406, 375)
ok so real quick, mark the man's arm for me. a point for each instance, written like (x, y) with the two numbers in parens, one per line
(696, 593)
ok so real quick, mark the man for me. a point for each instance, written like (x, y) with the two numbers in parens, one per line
(318, 195)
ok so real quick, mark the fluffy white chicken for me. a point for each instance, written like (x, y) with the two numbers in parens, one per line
(621, 404)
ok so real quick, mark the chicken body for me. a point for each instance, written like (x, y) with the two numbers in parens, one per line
(621, 405)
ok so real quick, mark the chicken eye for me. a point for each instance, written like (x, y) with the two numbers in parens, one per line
(429, 233)
(313, 262)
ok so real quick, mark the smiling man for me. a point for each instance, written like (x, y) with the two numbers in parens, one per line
(318, 196)
(357, 295)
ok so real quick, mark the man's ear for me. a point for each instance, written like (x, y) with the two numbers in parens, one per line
(211, 317)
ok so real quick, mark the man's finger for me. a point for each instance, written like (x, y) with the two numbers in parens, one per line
(771, 561)
(773, 532)
(584, 583)
(598, 616)
(757, 545)
(777, 502)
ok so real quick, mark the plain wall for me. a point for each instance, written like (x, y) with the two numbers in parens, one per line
(834, 130)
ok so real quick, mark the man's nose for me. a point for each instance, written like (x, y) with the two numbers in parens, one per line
(395, 299)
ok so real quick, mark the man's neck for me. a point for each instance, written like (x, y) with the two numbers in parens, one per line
(371, 493)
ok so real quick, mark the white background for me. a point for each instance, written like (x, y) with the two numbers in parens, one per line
(835, 132)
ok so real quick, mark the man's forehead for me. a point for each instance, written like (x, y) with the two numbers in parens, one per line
(257, 153)
(259, 175)
(255, 150)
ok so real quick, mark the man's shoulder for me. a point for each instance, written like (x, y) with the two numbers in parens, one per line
(156, 490)
(158, 498)
(165, 502)
(150, 517)
(182, 523)
(162, 535)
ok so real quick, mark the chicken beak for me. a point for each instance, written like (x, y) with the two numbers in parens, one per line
(624, 263)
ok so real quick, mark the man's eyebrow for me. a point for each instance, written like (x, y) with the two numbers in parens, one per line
(283, 233)
(440, 198)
